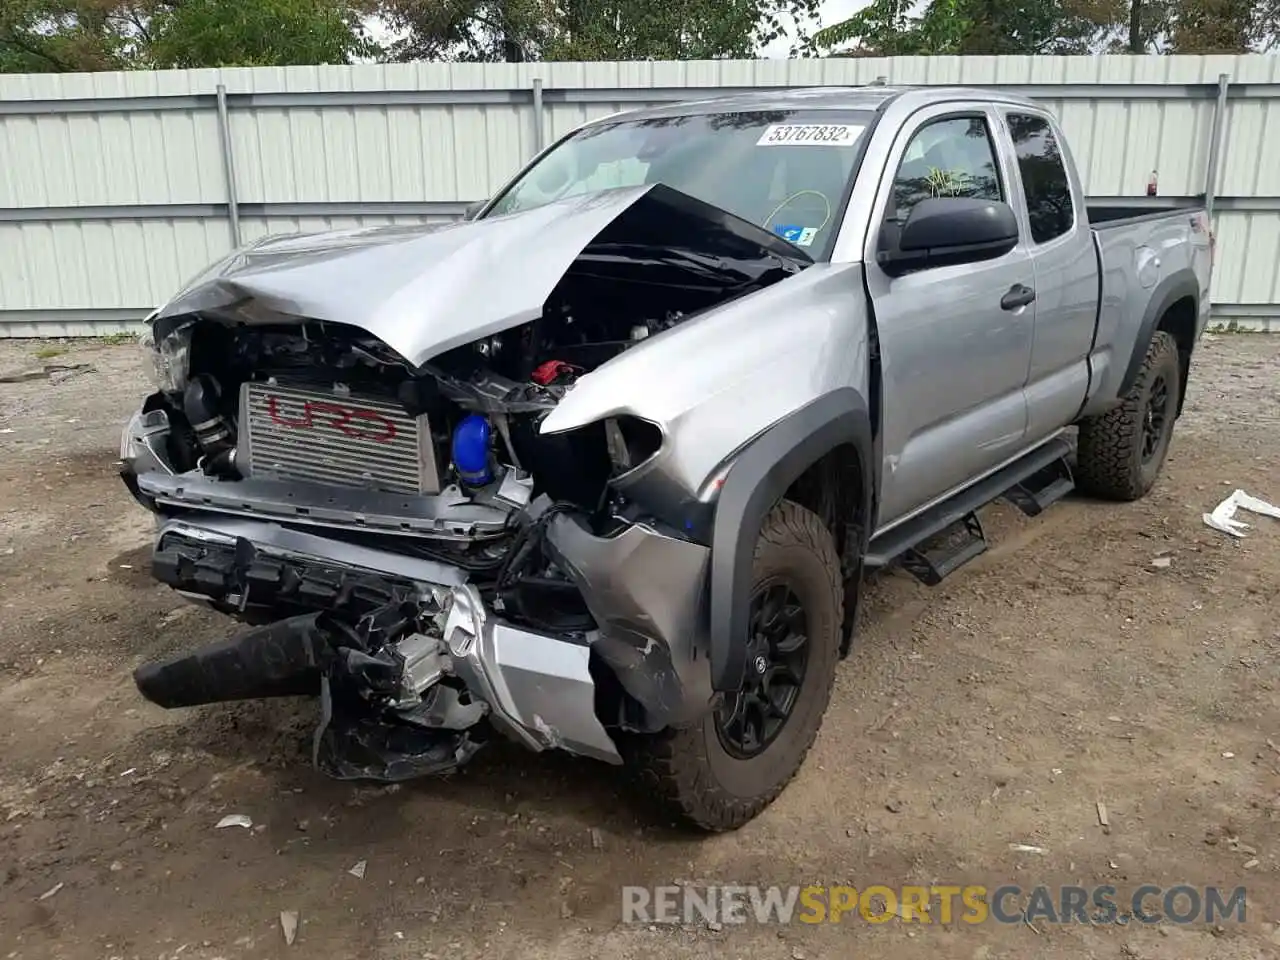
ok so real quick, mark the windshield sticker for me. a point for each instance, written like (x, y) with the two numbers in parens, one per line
(810, 135)
(800, 236)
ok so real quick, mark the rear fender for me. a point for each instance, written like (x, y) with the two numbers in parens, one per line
(1179, 286)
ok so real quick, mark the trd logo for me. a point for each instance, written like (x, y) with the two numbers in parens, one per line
(359, 423)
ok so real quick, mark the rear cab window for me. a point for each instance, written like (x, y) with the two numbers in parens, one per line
(1050, 209)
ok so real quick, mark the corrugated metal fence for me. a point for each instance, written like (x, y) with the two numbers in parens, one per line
(116, 188)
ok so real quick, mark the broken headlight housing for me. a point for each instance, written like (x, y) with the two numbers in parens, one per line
(169, 357)
(631, 442)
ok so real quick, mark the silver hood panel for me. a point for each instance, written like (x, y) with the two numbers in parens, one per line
(423, 290)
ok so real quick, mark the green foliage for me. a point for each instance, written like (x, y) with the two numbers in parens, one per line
(1038, 27)
(214, 33)
(91, 35)
(59, 35)
(591, 29)
(1223, 26)
(959, 27)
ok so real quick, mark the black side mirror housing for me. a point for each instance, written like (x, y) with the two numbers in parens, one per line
(471, 209)
(944, 231)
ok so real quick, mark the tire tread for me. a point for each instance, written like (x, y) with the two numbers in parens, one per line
(1108, 460)
(673, 765)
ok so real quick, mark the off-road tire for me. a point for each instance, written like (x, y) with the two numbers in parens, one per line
(1110, 462)
(689, 770)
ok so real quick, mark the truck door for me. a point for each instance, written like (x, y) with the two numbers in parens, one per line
(955, 341)
(1066, 270)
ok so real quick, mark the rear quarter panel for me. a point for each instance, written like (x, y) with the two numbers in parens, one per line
(1147, 265)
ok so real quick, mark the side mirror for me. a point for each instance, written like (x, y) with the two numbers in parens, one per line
(471, 209)
(944, 231)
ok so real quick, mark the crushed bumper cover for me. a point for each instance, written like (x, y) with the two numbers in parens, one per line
(646, 592)
(643, 589)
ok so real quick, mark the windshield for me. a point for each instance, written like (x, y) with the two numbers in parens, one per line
(785, 170)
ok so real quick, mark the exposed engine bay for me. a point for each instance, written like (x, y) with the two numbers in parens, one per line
(403, 538)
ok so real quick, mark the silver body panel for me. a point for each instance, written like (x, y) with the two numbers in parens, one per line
(537, 687)
(966, 387)
(449, 515)
(729, 374)
(1136, 259)
(414, 288)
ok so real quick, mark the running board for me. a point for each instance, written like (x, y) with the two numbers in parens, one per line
(947, 552)
(1039, 478)
(1043, 488)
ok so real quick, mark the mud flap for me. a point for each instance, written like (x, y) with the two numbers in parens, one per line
(349, 745)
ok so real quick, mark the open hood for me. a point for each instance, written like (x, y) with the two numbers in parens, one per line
(423, 290)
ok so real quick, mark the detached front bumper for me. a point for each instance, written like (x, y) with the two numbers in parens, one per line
(415, 637)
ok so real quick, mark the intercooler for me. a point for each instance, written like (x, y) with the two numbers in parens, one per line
(292, 433)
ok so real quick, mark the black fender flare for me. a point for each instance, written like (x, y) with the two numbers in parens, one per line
(1170, 290)
(755, 482)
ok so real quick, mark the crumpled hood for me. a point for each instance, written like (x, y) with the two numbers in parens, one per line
(423, 290)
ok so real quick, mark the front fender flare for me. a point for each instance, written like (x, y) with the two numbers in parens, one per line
(757, 480)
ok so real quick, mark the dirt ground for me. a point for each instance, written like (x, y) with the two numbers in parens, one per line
(1059, 670)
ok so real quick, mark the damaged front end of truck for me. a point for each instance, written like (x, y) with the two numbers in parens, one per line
(354, 451)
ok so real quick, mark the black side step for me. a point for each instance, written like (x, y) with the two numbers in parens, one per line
(1043, 488)
(953, 514)
(949, 551)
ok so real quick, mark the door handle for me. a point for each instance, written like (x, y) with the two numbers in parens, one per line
(1019, 295)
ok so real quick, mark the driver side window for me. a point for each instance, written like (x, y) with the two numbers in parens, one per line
(951, 157)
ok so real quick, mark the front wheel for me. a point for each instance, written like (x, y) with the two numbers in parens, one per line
(724, 770)
(1122, 451)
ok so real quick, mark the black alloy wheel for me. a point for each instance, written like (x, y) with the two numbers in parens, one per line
(1153, 422)
(777, 655)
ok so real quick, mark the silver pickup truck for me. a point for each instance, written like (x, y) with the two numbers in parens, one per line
(602, 467)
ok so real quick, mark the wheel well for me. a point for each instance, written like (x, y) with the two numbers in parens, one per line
(832, 488)
(1180, 321)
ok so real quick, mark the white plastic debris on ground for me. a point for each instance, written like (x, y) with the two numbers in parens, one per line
(1223, 516)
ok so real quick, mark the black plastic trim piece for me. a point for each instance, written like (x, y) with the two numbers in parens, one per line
(1176, 287)
(1097, 323)
(281, 659)
(218, 571)
(757, 480)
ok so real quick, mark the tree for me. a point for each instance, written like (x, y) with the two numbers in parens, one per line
(465, 29)
(591, 29)
(1223, 26)
(903, 27)
(1135, 27)
(249, 33)
(41, 36)
(90, 35)
(896, 28)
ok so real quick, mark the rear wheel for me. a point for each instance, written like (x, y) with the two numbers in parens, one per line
(1122, 451)
(723, 771)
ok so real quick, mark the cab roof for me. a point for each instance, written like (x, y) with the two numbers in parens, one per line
(873, 97)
